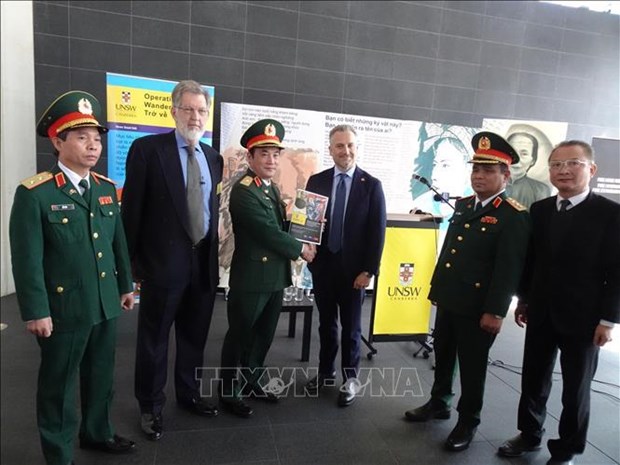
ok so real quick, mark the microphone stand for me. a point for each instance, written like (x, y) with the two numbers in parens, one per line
(424, 181)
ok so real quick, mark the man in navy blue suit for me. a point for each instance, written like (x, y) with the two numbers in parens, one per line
(570, 300)
(170, 209)
(346, 260)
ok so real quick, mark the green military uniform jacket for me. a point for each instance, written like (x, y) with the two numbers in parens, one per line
(482, 257)
(263, 250)
(70, 259)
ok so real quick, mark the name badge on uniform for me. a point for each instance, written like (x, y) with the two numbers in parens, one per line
(218, 189)
(63, 207)
(105, 200)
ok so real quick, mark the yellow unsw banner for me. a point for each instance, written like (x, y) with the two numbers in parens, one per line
(401, 306)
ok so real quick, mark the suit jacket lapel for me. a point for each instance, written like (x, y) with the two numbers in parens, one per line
(173, 173)
(213, 196)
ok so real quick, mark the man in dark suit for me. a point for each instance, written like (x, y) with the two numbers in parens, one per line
(170, 208)
(72, 277)
(260, 268)
(346, 260)
(569, 299)
(475, 278)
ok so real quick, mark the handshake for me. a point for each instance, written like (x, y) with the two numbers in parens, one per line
(308, 252)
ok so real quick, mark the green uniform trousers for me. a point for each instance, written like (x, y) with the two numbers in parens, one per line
(252, 321)
(460, 338)
(88, 352)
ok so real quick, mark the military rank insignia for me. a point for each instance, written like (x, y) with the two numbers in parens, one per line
(246, 181)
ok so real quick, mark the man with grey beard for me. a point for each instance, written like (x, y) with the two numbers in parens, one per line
(170, 209)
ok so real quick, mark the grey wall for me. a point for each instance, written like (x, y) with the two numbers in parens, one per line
(443, 61)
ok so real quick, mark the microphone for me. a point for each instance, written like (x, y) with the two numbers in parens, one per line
(438, 196)
(422, 179)
(445, 196)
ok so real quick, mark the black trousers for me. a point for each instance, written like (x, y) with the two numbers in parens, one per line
(459, 338)
(578, 360)
(190, 309)
(335, 296)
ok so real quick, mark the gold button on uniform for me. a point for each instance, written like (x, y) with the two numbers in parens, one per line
(459, 238)
(60, 289)
(110, 213)
(483, 229)
(65, 220)
(102, 274)
(477, 285)
(466, 225)
(264, 259)
(92, 215)
(99, 254)
(448, 265)
(95, 235)
(453, 251)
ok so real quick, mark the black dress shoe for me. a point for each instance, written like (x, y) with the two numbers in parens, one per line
(236, 406)
(345, 398)
(347, 393)
(199, 407)
(114, 445)
(152, 425)
(553, 461)
(321, 381)
(517, 447)
(427, 412)
(460, 437)
(257, 392)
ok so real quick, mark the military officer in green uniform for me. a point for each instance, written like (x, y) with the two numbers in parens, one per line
(476, 275)
(260, 268)
(72, 277)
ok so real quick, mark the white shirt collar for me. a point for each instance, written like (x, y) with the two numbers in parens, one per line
(574, 200)
(73, 176)
(487, 201)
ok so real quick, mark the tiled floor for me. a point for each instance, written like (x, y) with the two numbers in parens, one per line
(305, 430)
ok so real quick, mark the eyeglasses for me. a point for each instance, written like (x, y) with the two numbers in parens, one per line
(574, 164)
(190, 111)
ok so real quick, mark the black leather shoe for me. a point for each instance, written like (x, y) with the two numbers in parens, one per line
(199, 407)
(427, 412)
(345, 398)
(517, 447)
(460, 437)
(553, 461)
(320, 381)
(152, 425)
(236, 406)
(114, 445)
(257, 392)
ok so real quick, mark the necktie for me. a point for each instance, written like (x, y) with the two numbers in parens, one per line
(564, 204)
(86, 194)
(478, 206)
(195, 200)
(335, 232)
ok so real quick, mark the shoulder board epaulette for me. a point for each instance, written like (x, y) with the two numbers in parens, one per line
(37, 180)
(97, 175)
(246, 181)
(516, 205)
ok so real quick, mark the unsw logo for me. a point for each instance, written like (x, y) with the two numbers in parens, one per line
(405, 279)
